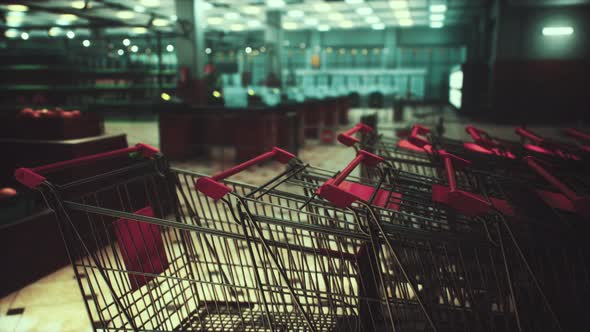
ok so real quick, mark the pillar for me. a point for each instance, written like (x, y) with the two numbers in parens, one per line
(273, 37)
(190, 49)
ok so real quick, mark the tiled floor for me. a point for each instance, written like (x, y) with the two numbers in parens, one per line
(54, 303)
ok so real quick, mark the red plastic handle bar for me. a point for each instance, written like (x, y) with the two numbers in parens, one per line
(32, 178)
(525, 133)
(346, 137)
(460, 200)
(338, 196)
(479, 137)
(417, 131)
(577, 134)
(211, 186)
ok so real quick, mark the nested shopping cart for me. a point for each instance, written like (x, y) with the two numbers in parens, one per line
(442, 254)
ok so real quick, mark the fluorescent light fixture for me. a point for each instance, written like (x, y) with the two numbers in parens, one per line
(174, 18)
(11, 33)
(170, 48)
(322, 7)
(378, 26)
(14, 21)
(354, 2)
(134, 48)
(364, 11)
(150, 3)
(335, 16)
(24, 36)
(398, 4)
(159, 22)
(372, 19)
(436, 25)
(17, 8)
(208, 50)
(78, 4)
(68, 17)
(214, 20)
(54, 31)
(86, 43)
(254, 23)
(237, 27)
(311, 21)
(138, 30)
(126, 42)
(323, 27)
(120, 52)
(139, 9)
(289, 25)
(558, 31)
(70, 34)
(440, 8)
(437, 17)
(125, 15)
(346, 24)
(231, 16)
(295, 13)
(406, 22)
(275, 3)
(251, 10)
(402, 14)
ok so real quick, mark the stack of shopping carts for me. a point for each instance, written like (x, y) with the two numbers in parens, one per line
(435, 235)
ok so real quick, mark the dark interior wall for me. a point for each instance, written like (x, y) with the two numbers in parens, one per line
(537, 78)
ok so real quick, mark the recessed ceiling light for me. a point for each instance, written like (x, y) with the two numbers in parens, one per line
(170, 48)
(134, 48)
(237, 27)
(251, 10)
(406, 22)
(24, 36)
(14, 21)
(398, 4)
(354, 2)
(275, 3)
(437, 17)
(139, 9)
(150, 3)
(126, 42)
(11, 33)
(70, 34)
(214, 20)
(125, 14)
(346, 24)
(159, 22)
(248, 50)
(295, 13)
(86, 43)
(438, 8)
(174, 18)
(323, 27)
(289, 25)
(54, 32)
(207, 6)
(436, 25)
(335, 16)
(120, 52)
(322, 7)
(78, 4)
(372, 19)
(208, 50)
(17, 8)
(138, 30)
(557, 31)
(254, 23)
(364, 11)
(311, 21)
(378, 26)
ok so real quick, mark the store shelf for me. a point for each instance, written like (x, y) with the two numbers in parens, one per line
(109, 71)
(76, 88)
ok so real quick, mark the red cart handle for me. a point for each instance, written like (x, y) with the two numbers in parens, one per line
(479, 137)
(338, 196)
(580, 204)
(32, 178)
(211, 186)
(525, 133)
(460, 200)
(417, 131)
(346, 137)
(577, 134)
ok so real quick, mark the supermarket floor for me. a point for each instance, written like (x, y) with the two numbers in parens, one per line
(54, 303)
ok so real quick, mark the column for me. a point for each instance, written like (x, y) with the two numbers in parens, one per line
(389, 48)
(190, 49)
(273, 37)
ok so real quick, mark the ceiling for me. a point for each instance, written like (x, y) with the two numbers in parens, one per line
(140, 16)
